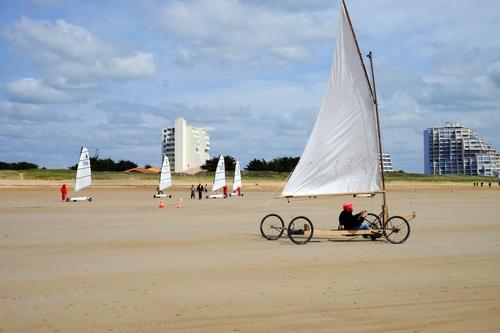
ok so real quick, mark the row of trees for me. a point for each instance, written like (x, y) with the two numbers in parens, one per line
(18, 166)
(280, 164)
(107, 164)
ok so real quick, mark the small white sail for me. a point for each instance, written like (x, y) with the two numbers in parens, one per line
(165, 175)
(237, 177)
(342, 154)
(83, 173)
(220, 175)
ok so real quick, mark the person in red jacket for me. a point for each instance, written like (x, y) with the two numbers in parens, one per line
(64, 192)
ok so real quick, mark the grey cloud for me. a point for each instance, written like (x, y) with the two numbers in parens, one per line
(30, 90)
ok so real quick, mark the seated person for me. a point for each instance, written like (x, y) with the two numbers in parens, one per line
(353, 222)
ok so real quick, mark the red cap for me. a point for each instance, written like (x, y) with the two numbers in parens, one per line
(348, 206)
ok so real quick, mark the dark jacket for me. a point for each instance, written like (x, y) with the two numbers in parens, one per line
(350, 221)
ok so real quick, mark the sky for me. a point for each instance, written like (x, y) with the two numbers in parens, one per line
(111, 74)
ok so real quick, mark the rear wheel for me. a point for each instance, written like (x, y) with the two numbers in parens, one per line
(272, 227)
(300, 230)
(396, 230)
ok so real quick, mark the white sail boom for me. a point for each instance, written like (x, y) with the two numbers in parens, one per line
(165, 174)
(342, 154)
(83, 172)
(237, 177)
(220, 175)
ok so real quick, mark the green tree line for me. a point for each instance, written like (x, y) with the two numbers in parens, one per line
(280, 164)
(18, 166)
(107, 164)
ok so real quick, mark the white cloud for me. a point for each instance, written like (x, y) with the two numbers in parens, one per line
(30, 90)
(233, 31)
(72, 52)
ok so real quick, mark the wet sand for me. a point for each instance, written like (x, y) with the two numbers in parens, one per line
(121, 264)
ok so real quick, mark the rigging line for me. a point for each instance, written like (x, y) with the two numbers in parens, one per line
(394, 138)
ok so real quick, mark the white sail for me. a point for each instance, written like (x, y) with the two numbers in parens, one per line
(342, 154)
(165, 175)
(83, 173)
(220, 175)
(237, 177)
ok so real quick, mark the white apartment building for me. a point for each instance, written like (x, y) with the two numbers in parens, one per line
(455, 149)
(387, 162)
(186, 146)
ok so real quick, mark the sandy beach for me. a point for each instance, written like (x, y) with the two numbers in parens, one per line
(121, 264)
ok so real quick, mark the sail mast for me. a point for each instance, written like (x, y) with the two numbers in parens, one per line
(370, 56)
(359, 51)
(374, 96)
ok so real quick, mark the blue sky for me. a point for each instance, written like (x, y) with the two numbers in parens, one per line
(110, 74)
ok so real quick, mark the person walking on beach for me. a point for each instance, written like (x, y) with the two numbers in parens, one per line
(64, 192)
(199, 188)
(489, 185)
(193, 196)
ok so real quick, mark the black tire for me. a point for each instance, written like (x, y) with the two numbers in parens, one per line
(396, 230)
(297, 230)
(374, 221)
(272, 227)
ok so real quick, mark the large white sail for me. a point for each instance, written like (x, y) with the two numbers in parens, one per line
(83, 173)
(165, 175)
(220, 175)
(237, 177)
(342, 154)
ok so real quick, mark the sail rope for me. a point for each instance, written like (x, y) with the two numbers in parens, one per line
(398, 157)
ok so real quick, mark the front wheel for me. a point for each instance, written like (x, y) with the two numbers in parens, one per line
(396, 230)
(374, 221)
(272, 227)
(300, 230)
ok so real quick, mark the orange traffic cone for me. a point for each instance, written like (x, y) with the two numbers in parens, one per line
(162, 205)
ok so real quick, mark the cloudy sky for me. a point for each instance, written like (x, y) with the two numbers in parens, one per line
(110, 74)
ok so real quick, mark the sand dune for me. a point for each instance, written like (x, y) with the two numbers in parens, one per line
(120, 264)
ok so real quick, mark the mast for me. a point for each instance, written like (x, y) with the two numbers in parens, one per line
(384, 207)
(359, 51)
(374, 96)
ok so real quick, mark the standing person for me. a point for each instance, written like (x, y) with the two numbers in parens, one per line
(64, 192)
(193, 196)
(489, 185)
(199, 188)
(481, 184)
(206, 188)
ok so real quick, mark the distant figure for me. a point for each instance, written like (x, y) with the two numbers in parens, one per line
(489, 185)
(481, 184)
(193, 196)
(206, 188)
(64, 192)
(474, 184)
(349, 221)
(199, 188)
(158, 191)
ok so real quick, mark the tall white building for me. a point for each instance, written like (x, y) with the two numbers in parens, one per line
(186, 146)
(387, 162)
(455, 149)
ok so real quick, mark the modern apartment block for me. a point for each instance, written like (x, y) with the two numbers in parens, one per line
(186, 146)
(387, 162)
(454, 149)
